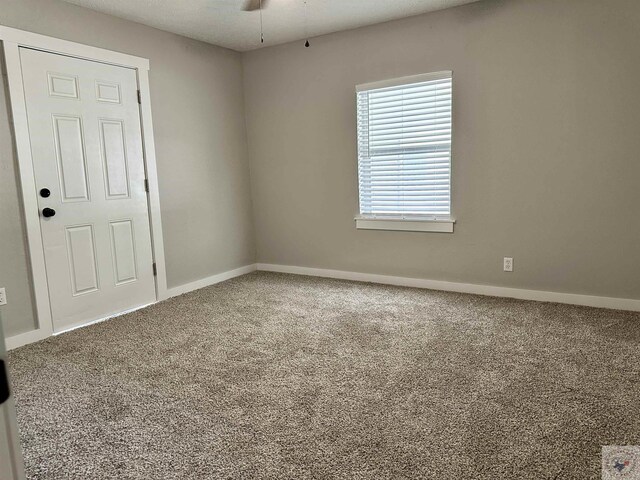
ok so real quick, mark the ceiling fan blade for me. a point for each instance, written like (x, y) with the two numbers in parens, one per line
(252, 5)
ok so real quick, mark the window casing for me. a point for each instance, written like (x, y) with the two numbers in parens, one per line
(404, 153)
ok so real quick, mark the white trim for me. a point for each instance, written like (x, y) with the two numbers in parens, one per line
(26, 338)
(37, 335)
(64, 47)
(493, 291)
(394, 82)
(490, 290)
(405, 225)
(148, 145)
(212, 280)
(12, 40)
(28, 195)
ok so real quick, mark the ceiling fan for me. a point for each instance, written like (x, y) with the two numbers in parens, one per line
(252, 5)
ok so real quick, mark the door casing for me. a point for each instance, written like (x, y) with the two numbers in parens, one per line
(12, 39)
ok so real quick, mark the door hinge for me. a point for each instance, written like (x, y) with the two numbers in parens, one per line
(139, 97)
(155, 270)
(4, 383)
(146, 185)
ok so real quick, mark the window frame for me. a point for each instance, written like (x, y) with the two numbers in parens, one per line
(411, 223)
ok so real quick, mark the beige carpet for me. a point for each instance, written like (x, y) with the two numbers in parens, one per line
(278, 376)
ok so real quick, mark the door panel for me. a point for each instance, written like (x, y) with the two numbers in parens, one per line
(114, 155)
(72, 167)
(124, 253)
(108, 92)
(86, 142)
(62, 86)
(81, 252)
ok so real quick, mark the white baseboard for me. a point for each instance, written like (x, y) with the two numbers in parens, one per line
(493, 291)
(490, 290)
(25, 338)
(212, 280)
(21, 339)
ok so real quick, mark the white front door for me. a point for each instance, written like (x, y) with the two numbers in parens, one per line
(11, 467)
(86, 145)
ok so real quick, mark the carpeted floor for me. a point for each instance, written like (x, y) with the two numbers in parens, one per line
(278, 376)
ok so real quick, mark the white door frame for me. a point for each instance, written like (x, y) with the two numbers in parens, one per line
(12, 40)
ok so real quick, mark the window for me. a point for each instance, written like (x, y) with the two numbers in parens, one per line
(404, 153)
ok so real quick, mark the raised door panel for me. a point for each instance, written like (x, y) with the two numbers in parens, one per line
(114, 156)
(64, 86)
(81, 253)
(123, 251)
(71, 158)
(108, 92)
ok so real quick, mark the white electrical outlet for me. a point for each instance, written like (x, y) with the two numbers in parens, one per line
(3, 297)
(508, 264)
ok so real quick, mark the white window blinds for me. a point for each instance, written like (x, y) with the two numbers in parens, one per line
(404, 147)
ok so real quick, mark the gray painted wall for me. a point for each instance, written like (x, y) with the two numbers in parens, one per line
(545, 149)
(197, 103)
(545, 164)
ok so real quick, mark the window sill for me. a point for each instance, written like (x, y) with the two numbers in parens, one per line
(437, 225)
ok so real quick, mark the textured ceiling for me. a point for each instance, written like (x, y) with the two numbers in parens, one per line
(222, 22)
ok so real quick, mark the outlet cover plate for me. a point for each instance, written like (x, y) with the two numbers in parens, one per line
(508, 264)
(3, 296)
